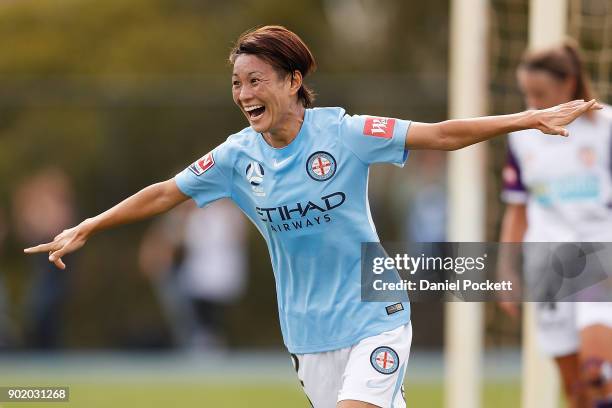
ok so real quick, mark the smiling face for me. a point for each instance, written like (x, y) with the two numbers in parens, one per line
(266, 98)
(542, 90)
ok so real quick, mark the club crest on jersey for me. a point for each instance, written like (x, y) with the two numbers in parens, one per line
(379, 127)
(203, 165)
(384, 360)
(321, 166)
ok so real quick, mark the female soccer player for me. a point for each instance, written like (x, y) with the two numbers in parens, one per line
(300, 174)
(561, 190)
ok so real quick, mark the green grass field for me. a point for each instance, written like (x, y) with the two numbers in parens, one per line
(161, 395)
(235, 379)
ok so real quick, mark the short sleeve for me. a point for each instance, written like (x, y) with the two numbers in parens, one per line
(375, 139)
(513, 191)
(209, 178)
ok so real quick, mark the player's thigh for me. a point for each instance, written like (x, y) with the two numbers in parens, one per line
(596, 341)
(320, 375)
(556, 331)
(594, 320)
(569, 370)
(595, 323)
(375, 370)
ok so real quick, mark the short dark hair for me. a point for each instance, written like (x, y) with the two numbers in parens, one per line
(281, 48)
(562, 62)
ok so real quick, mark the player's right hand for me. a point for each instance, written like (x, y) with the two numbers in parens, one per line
(68, 241)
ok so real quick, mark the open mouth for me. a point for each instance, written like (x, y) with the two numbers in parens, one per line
(255, 111)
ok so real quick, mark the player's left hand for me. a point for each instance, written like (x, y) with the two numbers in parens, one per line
(552, 120)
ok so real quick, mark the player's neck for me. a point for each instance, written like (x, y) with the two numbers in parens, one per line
(287, 129)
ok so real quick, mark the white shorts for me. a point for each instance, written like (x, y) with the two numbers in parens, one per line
(370, 371)
(559, 324)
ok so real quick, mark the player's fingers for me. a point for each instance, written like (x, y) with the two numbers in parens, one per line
(59, 263)
(587, 106)
(557, 130)
(570, 107)
(50, 246)
(550, 129)
(594, 104)
(65, 233)
(54, 256)
(583, 107)
(571, 113)
(571, 104)
(574, 109)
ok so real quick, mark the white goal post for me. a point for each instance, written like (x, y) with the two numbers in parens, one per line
(468, 90)
(539, 379)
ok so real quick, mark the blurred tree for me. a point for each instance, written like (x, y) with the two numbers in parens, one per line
(121, 93)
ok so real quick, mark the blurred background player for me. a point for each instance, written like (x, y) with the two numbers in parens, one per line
(560, 190)
(196, 261)
(42, 205)
(426, 217)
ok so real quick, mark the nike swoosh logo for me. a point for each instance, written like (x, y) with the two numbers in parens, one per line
(280, 163)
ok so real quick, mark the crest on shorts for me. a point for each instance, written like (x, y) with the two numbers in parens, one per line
(384, 360)
(321, 166)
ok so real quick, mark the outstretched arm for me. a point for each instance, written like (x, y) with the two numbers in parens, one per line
(458, 133)
(150, 201)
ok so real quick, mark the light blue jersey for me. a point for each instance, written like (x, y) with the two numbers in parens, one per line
(309, 200)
